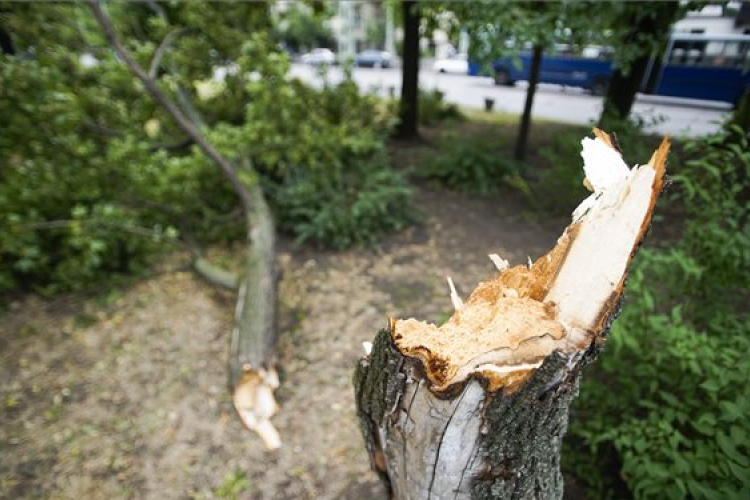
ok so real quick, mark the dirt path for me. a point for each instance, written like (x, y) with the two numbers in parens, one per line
(129, 399)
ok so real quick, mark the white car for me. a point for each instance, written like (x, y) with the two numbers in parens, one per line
(318, 57)
(455, 64)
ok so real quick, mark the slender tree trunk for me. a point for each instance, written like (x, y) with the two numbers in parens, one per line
(623, 87)
(6, 44)
(523, 131)
(741, 115)
(253, 376)
(409, 105)
(621, 92)
(477, 408)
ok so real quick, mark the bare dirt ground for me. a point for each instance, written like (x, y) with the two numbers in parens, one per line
(127, 398)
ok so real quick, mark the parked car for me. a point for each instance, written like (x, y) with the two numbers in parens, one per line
(458, 63)
(319, 57)
(373, 59)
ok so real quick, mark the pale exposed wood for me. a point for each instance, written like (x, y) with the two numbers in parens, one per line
(559, 302)
(477, 407)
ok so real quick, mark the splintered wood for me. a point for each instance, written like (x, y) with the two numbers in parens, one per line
(515, 320)
(477, 408)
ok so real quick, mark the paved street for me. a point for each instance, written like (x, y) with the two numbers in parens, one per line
(672, 116)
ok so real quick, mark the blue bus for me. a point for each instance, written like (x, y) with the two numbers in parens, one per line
(590, 70)
(709, 67)
(715, 68)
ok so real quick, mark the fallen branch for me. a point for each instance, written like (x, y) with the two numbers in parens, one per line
(477, 407)
(216, 275)
(252, 372)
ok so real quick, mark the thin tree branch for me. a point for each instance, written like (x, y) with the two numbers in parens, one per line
(175, 146)
(177, 115)
(165, 45)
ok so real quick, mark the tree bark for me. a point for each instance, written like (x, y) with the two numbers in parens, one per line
(478, 407)
(253, 376)
(523, 131)
(741, 115)
(6, 43)
(621, 92)
(409, 105)
(644, 17)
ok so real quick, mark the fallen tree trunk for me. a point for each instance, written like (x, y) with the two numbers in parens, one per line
(477, 408)
(253, 377)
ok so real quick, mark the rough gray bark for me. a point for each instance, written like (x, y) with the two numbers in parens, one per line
(476, 444)
(477, 408)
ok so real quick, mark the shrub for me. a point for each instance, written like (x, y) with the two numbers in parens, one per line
(669, 400)
(470, 166)
(433, 109)
(323, 159)
(367, 200)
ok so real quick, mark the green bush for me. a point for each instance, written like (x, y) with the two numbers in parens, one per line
(470, 166)
(367, 200)
(322, 156)
(433, 109)
(670, 397)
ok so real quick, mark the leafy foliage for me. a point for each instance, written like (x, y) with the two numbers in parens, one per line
(301, 27)
(374, 198)
(470, 166)
(670, 398)
(234, 485)
(433, 108)
(96, 178)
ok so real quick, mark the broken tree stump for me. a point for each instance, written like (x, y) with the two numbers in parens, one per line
(478, 407)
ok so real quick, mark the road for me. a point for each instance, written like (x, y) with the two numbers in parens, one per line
(676, 117)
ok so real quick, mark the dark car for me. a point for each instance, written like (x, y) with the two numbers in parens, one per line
(373, 59)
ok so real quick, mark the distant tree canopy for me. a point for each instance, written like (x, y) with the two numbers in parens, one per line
(636, 31)
(302, 27)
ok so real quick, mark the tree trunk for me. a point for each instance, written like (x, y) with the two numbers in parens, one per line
(6, 43)
(741, 115)
(621, 92)
(644, 17)
(409, 105)
(523, 131)
(478, 407)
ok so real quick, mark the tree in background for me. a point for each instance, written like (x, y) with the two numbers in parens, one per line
(741, 115)
(409, 103)
(303, 26)
(505, 28)
(639, 32)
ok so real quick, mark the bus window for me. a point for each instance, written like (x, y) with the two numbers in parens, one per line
(713, 67)
(677, 56)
